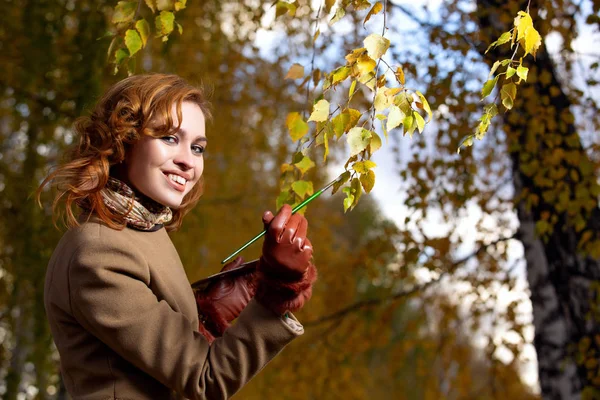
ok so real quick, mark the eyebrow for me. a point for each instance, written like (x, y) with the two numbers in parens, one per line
(198, 139)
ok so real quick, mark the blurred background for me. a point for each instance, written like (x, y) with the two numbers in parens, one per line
(461, 276)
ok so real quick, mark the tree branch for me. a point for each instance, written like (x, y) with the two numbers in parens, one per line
(405, 293)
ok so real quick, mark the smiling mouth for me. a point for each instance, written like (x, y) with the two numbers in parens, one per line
(176, 181)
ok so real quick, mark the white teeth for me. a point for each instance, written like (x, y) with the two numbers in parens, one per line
(177, 179)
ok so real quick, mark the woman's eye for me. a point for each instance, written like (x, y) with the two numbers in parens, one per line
(169, 139)
(198, 149)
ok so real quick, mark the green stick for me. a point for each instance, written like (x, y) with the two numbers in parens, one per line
(299, 206)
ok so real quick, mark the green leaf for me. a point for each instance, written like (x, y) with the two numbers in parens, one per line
(368, 180)
(504, 38)
(356, 190)
(305, 164)
(296, 126)
(362, 167)
(403, 100)
(426, 106)
(320, 111)
(179, 28)
(164, 23)
(375, 143)
(376, 45)
(180, 5)
(508, 94)
(395, 117)
(143, 28)
(120, 55)
(303, 188)
(466, 142)
(133, 41)
(344, 121)
(326, 134)
(522, 72)
(494, 68)
(377, 7)
(349, 200)
(488, 87)
(296, 71)
(409, 124)
(358, 139)
(285, 197)
(339, 14)
(283, 7)
(124, 11)
(510, 71)
(420, 121)
(340, 182)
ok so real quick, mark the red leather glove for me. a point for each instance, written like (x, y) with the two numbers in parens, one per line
(223, 301)
(285, 273)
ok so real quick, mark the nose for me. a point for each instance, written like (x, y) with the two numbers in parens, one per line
(184, 159)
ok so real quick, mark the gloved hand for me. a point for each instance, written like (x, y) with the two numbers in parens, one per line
(224, 299)
(285, 272)
(286, 251)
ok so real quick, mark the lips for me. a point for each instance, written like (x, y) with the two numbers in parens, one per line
(175, 185)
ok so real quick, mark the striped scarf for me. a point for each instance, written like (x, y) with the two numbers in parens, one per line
(121, 199)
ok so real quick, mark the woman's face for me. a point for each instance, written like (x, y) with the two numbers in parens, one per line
(166, 169)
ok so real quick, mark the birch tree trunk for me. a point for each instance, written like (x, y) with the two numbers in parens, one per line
(563, 281)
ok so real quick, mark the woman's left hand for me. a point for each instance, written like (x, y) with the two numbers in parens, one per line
(224, 299)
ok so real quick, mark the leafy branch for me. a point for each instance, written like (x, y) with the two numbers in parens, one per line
(522, 35)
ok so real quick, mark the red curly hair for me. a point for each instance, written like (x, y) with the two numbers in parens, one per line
(127, 110)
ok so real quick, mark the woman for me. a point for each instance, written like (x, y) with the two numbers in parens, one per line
(121, 310)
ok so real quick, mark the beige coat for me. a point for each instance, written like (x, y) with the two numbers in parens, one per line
(124, 320)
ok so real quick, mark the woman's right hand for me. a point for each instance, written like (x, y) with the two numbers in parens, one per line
(287, 252)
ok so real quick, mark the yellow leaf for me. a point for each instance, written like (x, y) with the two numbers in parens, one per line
(362, 167)
(124, 11)
(339, 74)
(368, 80)
(377, 7)
(358, 139)
(351, 90)
(296, 72)
(143, 28)
(533, 40)
(368, 180)
(400, 75)
(365, 64)
(320, 111)
(150, 4)
(376, 45)
(395, 117)
(355, 55)
(296, 126)
(381, 101)
(420, 121)
(375, 143)
(426, 106)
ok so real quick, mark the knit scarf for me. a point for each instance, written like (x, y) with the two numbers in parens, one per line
(145, 213)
